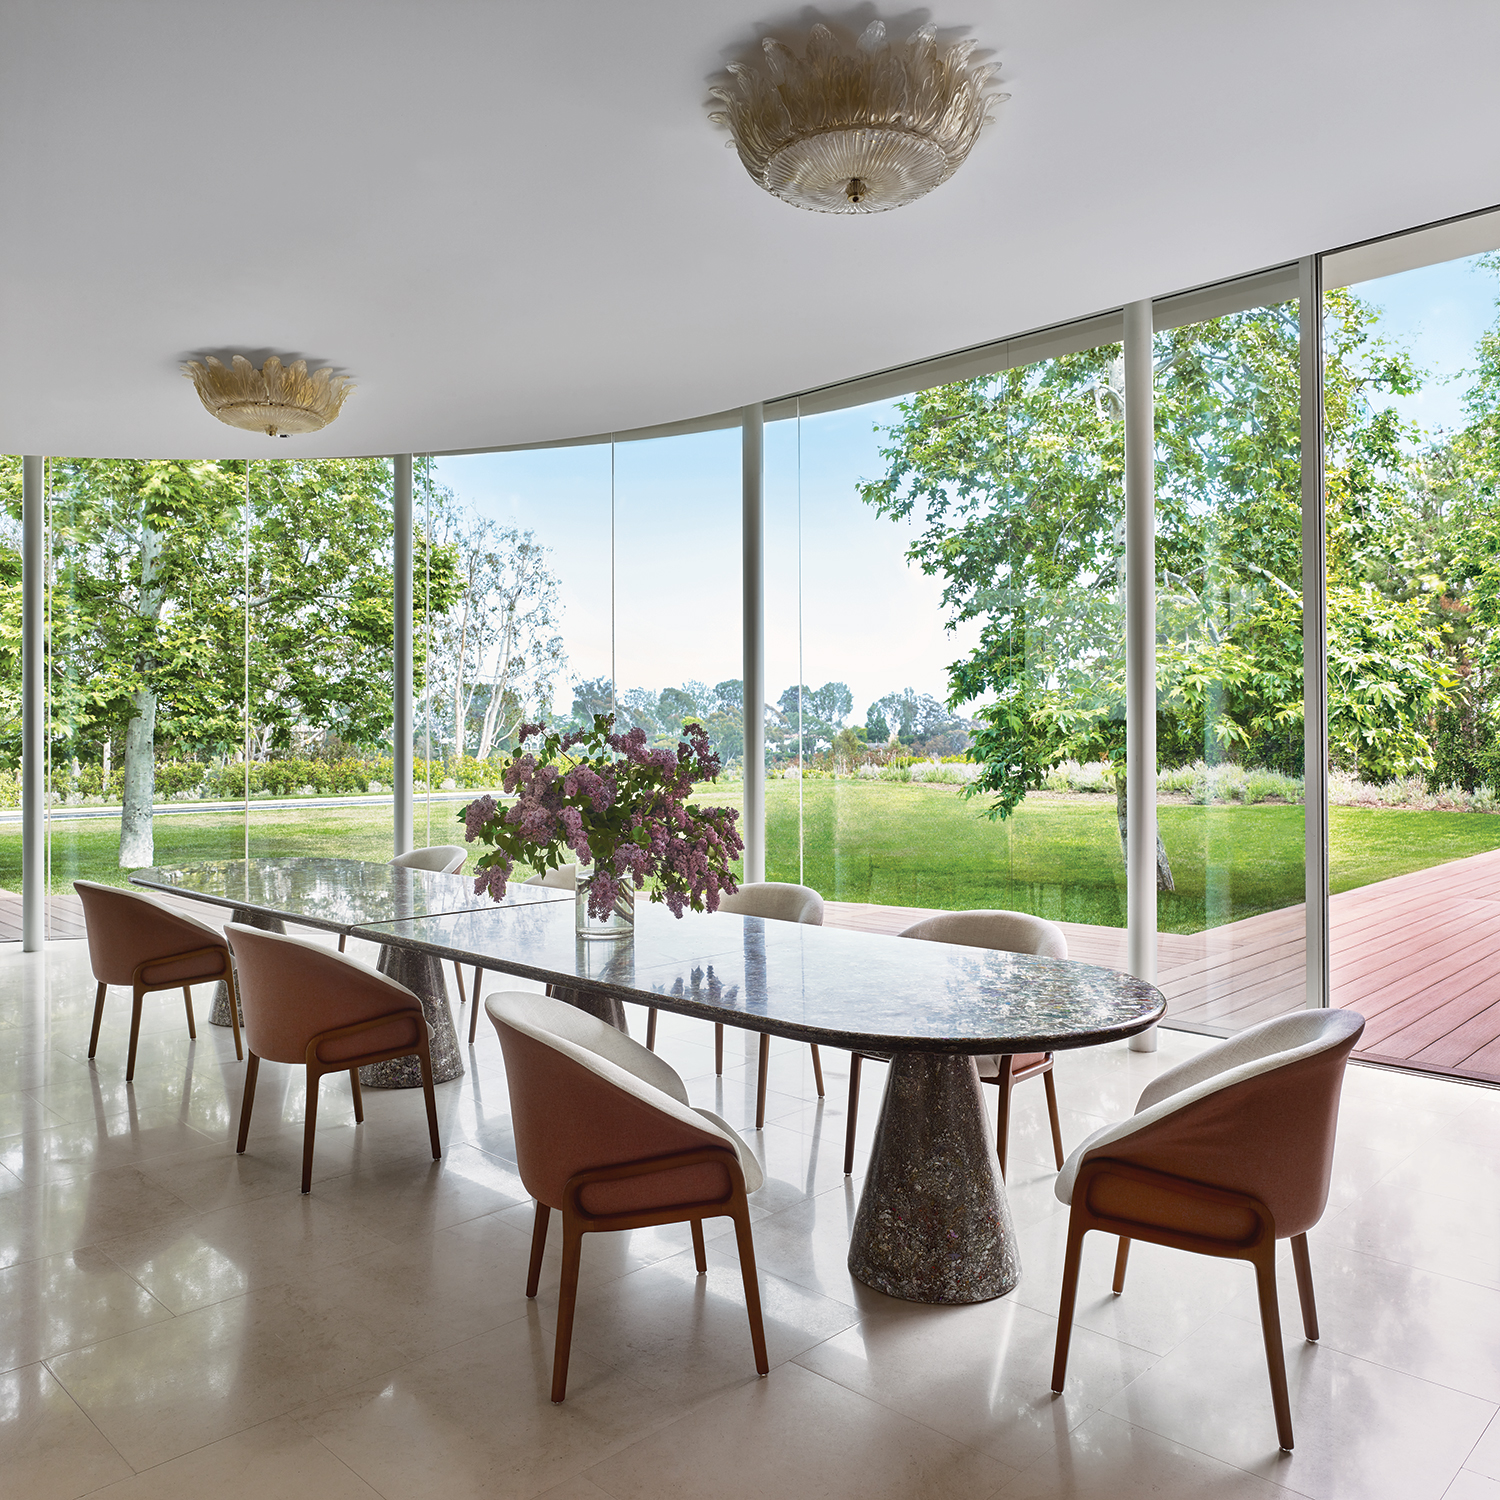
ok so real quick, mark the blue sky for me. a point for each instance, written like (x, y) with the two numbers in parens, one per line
(867, 617)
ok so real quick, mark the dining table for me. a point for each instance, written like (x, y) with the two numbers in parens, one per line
(933, 1223)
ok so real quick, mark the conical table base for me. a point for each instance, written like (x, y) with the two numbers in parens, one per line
(934, 1224)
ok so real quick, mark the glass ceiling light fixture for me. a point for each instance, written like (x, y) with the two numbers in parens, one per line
(857, 132)
(276, 399)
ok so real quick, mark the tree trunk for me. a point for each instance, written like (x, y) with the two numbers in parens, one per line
(136, 845)
(1163, 865)
(139, 765)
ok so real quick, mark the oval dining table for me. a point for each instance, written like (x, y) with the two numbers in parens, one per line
(934, 1222)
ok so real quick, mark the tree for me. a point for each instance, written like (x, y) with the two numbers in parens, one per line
(592, 696)
(1017, 480)
(496, 646)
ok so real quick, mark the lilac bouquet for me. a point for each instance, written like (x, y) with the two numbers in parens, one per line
(617, 806)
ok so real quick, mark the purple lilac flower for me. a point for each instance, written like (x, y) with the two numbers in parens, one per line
(476, 815)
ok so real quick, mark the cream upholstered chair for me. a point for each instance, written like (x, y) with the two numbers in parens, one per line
(1225, 1155)
(137, 941)
(777, 901)
(306, 1005)
(605, 1134)
(1010, 932)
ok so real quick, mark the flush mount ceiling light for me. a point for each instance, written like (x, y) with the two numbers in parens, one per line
(276, 399)
(857, 132)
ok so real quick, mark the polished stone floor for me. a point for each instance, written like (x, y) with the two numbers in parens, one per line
(177, 1321)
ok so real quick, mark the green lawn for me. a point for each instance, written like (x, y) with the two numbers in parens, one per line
(900, 845)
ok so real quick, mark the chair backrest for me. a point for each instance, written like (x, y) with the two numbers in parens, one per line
(1009, 931)
(292, 988)
(584, 1096)
(563, 878)
(1256, 1114)
(777, 900)
(126, 928)
(446, 859)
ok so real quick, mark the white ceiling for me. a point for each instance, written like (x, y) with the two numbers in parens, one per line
(512, 222)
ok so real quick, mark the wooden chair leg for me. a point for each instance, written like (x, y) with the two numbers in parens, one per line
(424, 1057)
(310, 1128)
(1057, 1145)
(252, 1067)
(746, 1246)
(538, 1248)
(359, 1098)
(98, 1017)
(187, 1000)
(855, 1063)
(762, 1069)
(137, 996)
(566, 1301)
(1002, 1111)
(458, 980)
(474, 1009)
(1065, 1306)
(718, 1049)
(232, 985)
(1305, 1286)
(817, 1069)
(1121, 1256)
(343, 938)
(651, 1028)
(1270, 1327)
(700, 1254)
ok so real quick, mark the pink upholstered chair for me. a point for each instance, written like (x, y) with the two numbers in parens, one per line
(137, 941)
(1009, 932)
(604, 1133)
(1225, 1155)
(306, 1005)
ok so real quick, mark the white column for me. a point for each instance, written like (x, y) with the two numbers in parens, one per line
(33, 710)
(1140, 650)
(402, 697)
(1314, 631)
(753, 586)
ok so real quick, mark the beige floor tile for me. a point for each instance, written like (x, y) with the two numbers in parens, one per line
(476, 1422)
(167, 1389)
(1107, 1459)
(238, 1249)
(65, 1301)
(1435, 1327)
(797, 1433)
(687, 1336)
(1432, 1231)
(22, 1113)
(275, 1461)
(67, 1215)
(577, 1488)
(980, 1374)
(1485, 1458)
(1168, 1294)
(399, 1201)
(58, 1152)
(1471, 1486)
(49, 1450)
(1363, 1431)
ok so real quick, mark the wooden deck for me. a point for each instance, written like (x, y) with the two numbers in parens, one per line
(1417, 956)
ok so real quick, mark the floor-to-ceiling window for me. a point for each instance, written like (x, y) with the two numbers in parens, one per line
(1412, 362)
(1230, 866)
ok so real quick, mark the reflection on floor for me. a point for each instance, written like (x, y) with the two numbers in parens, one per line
(1418, 955)
(177, 1321)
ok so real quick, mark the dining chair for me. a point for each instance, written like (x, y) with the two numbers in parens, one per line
(442, 859)
(1226, 1154)
(1009, 932)
(306, 1005)
(777, 901)
(604, 1134)
(138, 941)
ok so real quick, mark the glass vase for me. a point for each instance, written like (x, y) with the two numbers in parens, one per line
(617, 922)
